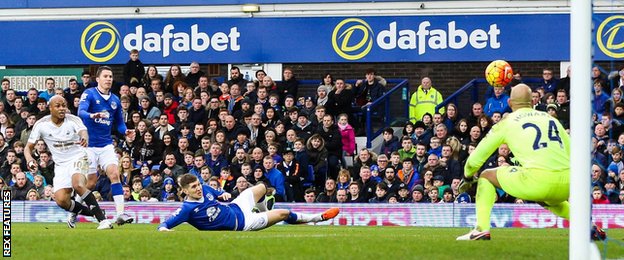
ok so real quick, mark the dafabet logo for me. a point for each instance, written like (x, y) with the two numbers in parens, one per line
(353, 38)
(100, 41)
(609, 38)
(342, 42)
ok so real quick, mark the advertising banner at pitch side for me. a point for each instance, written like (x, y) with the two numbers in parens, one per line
(537, 37)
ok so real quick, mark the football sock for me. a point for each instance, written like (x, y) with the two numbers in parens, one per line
(562, 209)
(95, 207)
(292, 218)
(486, 196)
(77, 198)
(117, 192)
(261, 204)
(79, 209)
(296, 218)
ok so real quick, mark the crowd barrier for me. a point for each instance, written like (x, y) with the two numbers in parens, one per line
(418, 215)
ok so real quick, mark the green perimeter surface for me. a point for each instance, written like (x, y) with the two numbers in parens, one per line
(142, 241)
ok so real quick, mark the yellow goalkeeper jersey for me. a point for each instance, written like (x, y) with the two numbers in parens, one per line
(537, 140)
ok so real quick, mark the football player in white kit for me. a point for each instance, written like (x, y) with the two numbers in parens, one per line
(66, 137)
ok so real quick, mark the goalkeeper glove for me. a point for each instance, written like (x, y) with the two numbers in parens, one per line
(466, 183)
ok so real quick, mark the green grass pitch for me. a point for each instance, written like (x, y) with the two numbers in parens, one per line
(141, 241)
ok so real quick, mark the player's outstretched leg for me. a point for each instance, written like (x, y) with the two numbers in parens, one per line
(277, 215)
(117, 191)
(486, 196)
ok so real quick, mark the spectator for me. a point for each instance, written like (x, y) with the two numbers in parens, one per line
(407, 151)
(497, 103)
(390, 142)
(447, 196)
(137, 186)
(433, 194)
(424, 100)
(173, 75)
(598, 197)
(134, 68)
(275, 178)
(328, 82)
(289, 85)
(348, 135)
(403, 194)
(236, 77)
(170, 168)
(148, 110)
(290, 168)
(344, 179)
(127, 193)
(341, 196)
(407, 174)
(364, 158)
(241, 185)
(370, 89)
(421, 133)
(333, 143)
(329, 194)
(156, 185)
(148, 151)
(367, 184)
(168, 190)
(475, 113)
(381, 192)
(194, 74)
(599, 99)
(216, 161)
(451, 117)
(317, 155)
(418, 194)
(392, 182)
(144, 196)
(339, 100)
(310, 195)
(19, 190)
(33, 195)
(549, 83)
(355, 194)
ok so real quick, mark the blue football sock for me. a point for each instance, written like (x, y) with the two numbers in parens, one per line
(292, 218)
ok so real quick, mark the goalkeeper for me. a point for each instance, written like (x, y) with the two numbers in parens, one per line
(541, 146)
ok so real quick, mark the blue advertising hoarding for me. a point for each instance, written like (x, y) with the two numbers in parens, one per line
(537, 37)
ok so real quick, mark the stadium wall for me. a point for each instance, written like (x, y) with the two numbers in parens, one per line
(417, 215)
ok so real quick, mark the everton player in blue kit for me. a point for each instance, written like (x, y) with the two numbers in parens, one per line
(201, 209)
(100, 110)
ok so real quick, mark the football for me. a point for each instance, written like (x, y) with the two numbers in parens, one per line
(499, 73)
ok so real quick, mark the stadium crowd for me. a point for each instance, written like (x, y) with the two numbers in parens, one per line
(235, 133)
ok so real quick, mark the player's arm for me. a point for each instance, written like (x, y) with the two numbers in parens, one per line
(83, 107)
(218, 193)
(121, 125)
(84, 138)
(35, 135)
(28, 148)
(486, 147)
(81, 129)
(179, 216)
